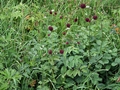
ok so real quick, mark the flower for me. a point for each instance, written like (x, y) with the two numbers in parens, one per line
(61, 17)
(75, 20)
(68, 25)
(88, 7)
(82, 6)
(45, 17)
(55, 13)
(67, 42)
(61, 51)
(95, 17)
(48, 34)
(78, 42)
(50, 28)
(50, 51)
(87, 20)
(50, 12)
(64, 33)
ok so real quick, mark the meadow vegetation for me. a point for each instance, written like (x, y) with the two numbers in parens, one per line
(59, 44)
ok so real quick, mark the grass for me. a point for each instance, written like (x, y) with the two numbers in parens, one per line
(49, 45)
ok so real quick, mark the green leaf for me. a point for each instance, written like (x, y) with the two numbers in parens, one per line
(117, 60)
(99, 42)
(69, 72)
(114, 64)
(107, 56)
(108, 67)
(75, 72)
(1, 66)
(95, 78)
(63, 70)
(98, 66)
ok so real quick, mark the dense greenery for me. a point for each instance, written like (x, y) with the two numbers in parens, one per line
(59, 44)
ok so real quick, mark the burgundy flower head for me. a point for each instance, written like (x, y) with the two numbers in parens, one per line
(67, 42)
(48, 34)
(95, 17)
(78, 42)
(68, 25)
(55, 13)
(61, 17)
(64, 33)
(50, 51)
(82, 5)
(75, 20)
(50, 28)
(87, 20)
(61, 51)
(50, 12)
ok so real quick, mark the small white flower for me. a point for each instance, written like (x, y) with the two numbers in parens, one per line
(45, 17)
(87, 6)
(41, 48)
(52, 10)
(67, 28)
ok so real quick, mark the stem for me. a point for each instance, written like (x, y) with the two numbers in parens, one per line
(89, 42)
(52, 84)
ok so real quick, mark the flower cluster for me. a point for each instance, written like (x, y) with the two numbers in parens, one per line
(68, 25)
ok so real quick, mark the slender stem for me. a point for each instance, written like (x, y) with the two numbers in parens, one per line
(52, 84)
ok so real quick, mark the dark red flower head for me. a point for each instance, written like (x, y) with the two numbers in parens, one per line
(50, 51)
(95, 17)
(61, 17)
(87, 20)
(61, 51)
(78, 42)
(50, 28)
(48, 34)
(75, 20)
(55, 13)
(68, 25)
(64, 33)
(50, 12)
(67, 42)
(82, 6)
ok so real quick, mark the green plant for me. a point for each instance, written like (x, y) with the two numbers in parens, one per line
(59, 45)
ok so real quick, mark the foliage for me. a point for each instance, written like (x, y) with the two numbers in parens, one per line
(59, 45)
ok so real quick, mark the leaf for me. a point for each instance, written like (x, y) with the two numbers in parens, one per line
(114, 64)
(32, 19)
(107, 56)
(1, 66)
(16, 14)
(74, 73)
(69, 83)
(63, 70)
(98, 66)
(69, 73)
(99, 42)
(95, 78)
(117, 60)
(71, 64)
(92, 60)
